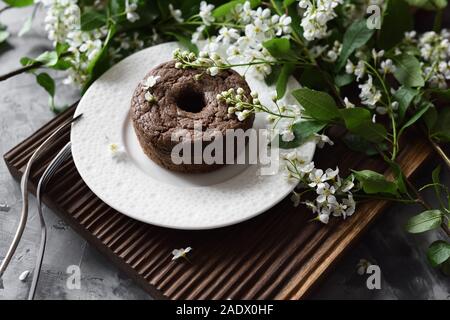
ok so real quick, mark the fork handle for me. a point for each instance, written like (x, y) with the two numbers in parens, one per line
(24, 189)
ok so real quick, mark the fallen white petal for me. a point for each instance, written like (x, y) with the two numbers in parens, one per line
(24, 275)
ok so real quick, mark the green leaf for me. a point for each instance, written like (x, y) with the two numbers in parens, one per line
(441, 93)
(61, 48)
(296, 20)
(19, 3)
(428, 4)
(404, 96)
(62, 64)
(430, 119)
(116, 7)
(163, 8)
(313, 79)
(103, 53)
(399, 176)
(341, 80)
(359, 144)
(273, 76)
(318, 105)
(440, 4)
(3, 35)
(48, 58)
(101, 62)
(408, 71)
(396, 22)
(427, 220)
(372, 182)
(415, 117)
(417, 3)
(91, 20)
(26, 26)
(438, 252)
(46, 82)
(445, 268)
(358, 121)
(355, 37)
(25, 61)
(278, 6)
(441, 129)
(223, 10)
(435, 176)
(184, 41)
(287, 3)
(280, 48)
(302, 131)
(283, 78)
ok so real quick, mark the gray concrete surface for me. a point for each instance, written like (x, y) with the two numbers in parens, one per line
(23, 109)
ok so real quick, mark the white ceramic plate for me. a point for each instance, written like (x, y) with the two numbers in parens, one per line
(139, 188)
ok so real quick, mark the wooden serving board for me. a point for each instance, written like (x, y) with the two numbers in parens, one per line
(277, 255)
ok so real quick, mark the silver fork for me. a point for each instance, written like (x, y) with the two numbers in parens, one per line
(56, 163)
(24, 189)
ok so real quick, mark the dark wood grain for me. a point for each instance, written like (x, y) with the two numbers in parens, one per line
(277, 255)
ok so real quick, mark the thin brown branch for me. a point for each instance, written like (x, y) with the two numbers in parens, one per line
(32, 66)
(20, 71)
(5, 8)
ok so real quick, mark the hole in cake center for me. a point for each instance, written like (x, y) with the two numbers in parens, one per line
(190, 101)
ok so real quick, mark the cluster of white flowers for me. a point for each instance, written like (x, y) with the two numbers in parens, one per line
(317, 13)
(62, 17)
(245, 32)
(435, 53)
(211, 62)
(370, 95)
(84, 46)
(62, 23)
(333, 194)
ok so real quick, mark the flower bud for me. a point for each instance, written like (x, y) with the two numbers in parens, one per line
(192, 56)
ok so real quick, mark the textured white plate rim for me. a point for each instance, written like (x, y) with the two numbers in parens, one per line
(89, 153)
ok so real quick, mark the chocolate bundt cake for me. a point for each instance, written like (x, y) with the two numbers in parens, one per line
(169, 100)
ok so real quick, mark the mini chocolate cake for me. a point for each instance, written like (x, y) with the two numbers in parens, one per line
(180, 97)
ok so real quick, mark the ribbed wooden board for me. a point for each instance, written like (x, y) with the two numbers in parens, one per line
(277, 255)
